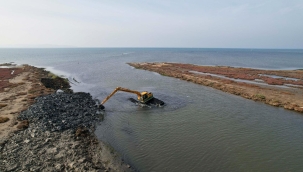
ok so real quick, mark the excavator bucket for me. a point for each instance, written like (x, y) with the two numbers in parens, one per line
(101, 106)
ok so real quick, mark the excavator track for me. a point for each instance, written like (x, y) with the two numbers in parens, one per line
(152, 102)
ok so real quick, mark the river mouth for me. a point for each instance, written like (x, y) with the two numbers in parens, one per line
(208, 131)
(199, 129)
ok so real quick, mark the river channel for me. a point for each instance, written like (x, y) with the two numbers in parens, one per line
(199, 129)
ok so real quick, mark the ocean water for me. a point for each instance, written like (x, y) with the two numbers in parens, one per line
(200, 129)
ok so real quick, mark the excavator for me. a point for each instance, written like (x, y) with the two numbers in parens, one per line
(145, 98)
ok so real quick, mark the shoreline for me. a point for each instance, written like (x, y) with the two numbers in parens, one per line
(280, 88)
(73, 148)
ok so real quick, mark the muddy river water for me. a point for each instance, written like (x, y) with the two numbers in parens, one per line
(200, 129)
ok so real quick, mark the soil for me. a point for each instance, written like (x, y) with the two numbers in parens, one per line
(17, 92)
(281, 88)
(68, 149)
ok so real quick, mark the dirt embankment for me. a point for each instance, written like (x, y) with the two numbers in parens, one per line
(19, 86)
(282, 88)
(56, 131)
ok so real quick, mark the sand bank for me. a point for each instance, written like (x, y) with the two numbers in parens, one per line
(281, 88)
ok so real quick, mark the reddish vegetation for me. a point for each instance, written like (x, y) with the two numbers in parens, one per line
(246, 73)
(289, 98)
(6, 74)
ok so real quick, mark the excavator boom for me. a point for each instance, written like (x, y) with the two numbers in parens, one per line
(122, 89)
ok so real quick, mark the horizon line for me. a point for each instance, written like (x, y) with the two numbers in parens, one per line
(75, 47)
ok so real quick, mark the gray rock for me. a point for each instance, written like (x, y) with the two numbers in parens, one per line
(59, 112)
(50, 144)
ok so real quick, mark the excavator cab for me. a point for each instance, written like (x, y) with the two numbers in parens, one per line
(145, 97)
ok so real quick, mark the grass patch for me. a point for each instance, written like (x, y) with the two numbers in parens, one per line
(210, 84)
(51, 75)
(4, 119)
(260, 96)
(23, 125)
(163, 74)
(2, 105)
(276, 101)
(21, 93)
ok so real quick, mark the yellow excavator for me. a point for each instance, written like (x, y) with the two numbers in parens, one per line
(143, 97)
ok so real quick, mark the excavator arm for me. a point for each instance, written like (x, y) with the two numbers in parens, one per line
(122, 89)
(143, 97)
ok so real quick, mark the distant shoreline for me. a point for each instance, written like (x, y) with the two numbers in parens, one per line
(280, 88)
(73, 47)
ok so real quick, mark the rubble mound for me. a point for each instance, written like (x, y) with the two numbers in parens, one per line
(61, 111)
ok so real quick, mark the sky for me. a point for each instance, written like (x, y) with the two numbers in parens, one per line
(152, 23)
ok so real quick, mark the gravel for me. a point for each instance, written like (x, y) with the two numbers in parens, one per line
(61, 111)
(60, 138)
(34, 150)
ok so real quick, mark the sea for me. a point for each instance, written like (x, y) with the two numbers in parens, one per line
(199, 128)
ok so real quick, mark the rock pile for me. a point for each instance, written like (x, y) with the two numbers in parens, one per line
(58, 138)
(35, 150)
(62, 111)
(46, 151)
(56, 133)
